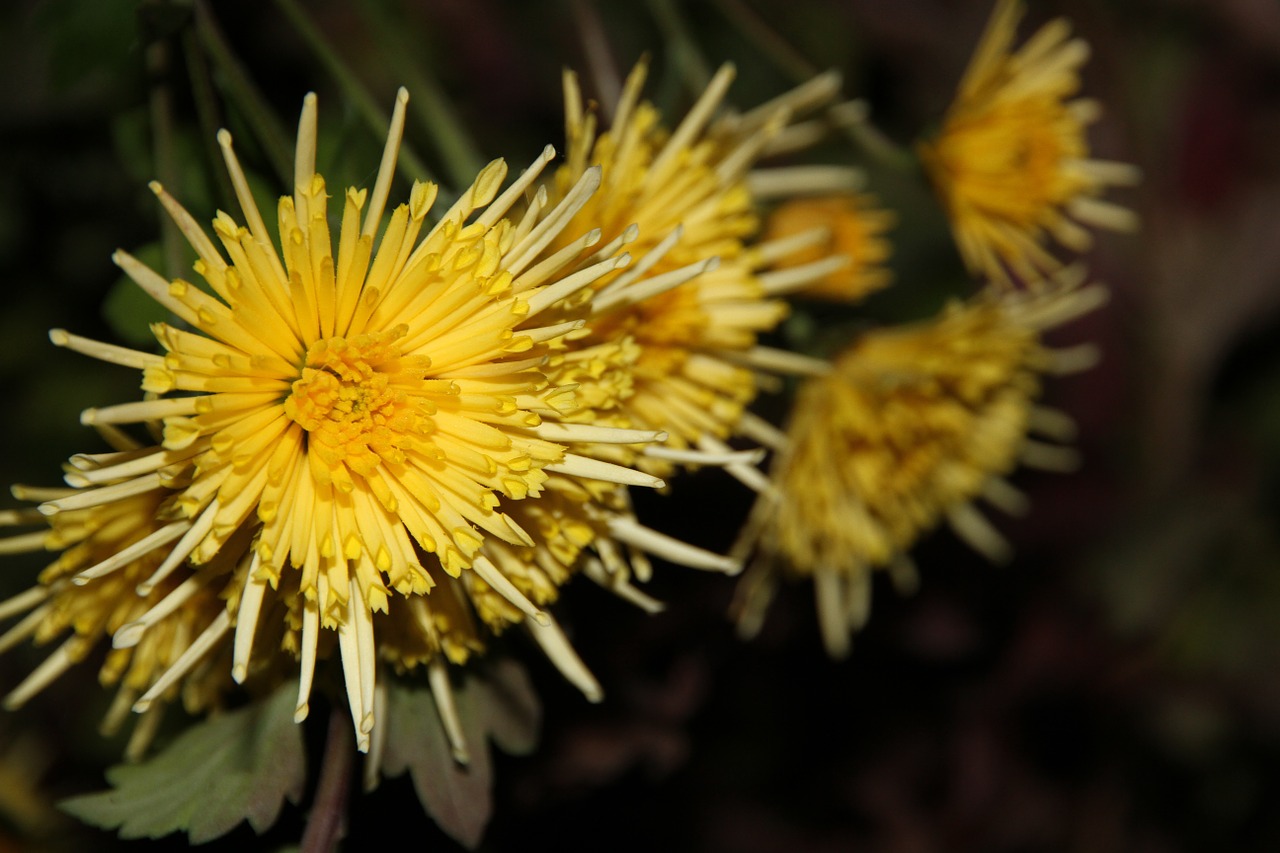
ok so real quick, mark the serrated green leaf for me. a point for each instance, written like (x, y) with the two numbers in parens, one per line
(237, 766)
(459, 799)
(496, 702)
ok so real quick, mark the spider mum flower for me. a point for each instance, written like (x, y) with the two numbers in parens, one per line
(1011, 162)
(701, 294)
(909, 429)
(359, 412)
(857, 226)
(88, 593)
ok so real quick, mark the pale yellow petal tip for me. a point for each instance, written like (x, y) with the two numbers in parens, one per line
(156, 187)
(142, 706)
(239, 672)
(362, 743)
(300, 713)
(144, 589)
(460, 754)
(541, 618)
(59, 337)
(402, 95)
(549, 152)
(47, 509)
(309, 99)
(128, 635)
(594, 695)
(224, 138)
(89, 417)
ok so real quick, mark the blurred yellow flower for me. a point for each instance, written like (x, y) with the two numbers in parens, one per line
(1011, 161)
(702, 293)
(857, 226)
(911, 426)
(89, 593)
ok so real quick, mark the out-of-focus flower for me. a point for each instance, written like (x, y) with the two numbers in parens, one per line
(89, 593)
(341, 427)
(911, 426)
(857, 226)
(702, 294)
(1011, 162)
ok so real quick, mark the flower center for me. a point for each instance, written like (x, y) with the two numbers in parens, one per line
(353, 400)
(1013, 160)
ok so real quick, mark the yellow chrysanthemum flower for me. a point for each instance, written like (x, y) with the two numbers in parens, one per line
(911, 426)
(350, 409)
(857, 225)
(89, 592)
(1011, 162)
(697, 301)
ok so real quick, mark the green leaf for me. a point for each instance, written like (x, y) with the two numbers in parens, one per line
(221, 771)
(495, 703)
(510, 707)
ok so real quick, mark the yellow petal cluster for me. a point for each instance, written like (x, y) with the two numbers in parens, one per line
(911, 426)
(700, 297)
(1011, 162)
(857, 226)
(344, 417)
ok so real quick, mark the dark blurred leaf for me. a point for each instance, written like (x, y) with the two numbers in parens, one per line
(84, 38)
(510, 707)
(233, 767)
(495, 703)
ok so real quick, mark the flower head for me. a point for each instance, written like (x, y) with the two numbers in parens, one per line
(88, 594)
(696, 301)
(345, 421)
(1011, 162)
(911, 426)
(857, 227)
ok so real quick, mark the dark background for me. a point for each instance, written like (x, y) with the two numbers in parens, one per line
(1114, 689)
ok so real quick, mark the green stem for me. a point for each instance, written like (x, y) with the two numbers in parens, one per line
(242, 92)
(786, 58)
(326, 823)
(428, 103)
(207, 113)
(160, 103)
(869, 138)
(850, 118)
(691, 64)
(409, 164)
(600, 58)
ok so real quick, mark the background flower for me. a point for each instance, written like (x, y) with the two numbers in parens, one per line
(1110, 689)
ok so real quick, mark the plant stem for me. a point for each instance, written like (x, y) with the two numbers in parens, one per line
(242, 92)
(600, 59)
(428, 102)
(160, 103)
(327, 822)
(408, 162)
(767, 40)
(693, 67)
(207, 112)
